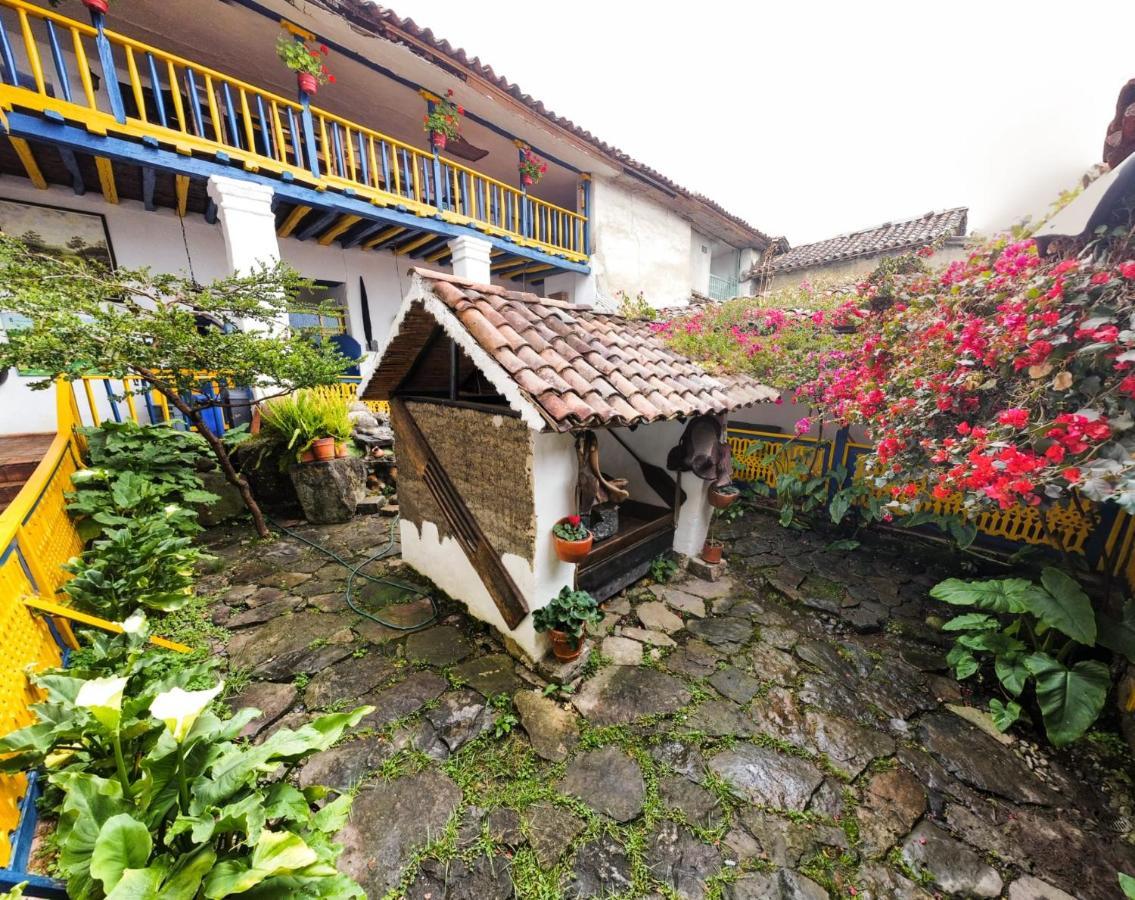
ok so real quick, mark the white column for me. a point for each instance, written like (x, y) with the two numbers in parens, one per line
(244, 209)
(694, 516)
(471, 258)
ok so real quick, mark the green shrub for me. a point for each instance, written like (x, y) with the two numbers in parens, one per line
(298, 420)
(145, 563)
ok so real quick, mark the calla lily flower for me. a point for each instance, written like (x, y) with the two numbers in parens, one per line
(103, 697)
(179, 709)
(135, 623)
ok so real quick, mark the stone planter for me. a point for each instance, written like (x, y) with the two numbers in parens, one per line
(329, 491)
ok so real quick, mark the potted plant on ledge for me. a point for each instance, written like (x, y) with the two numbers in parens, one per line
(722, 497)
(566, 619)
(532, 168)
(573, 539)
(311, 70)
(444, 121)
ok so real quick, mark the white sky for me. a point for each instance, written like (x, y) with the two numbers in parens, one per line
(813, 118)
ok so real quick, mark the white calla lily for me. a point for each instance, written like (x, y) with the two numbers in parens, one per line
(103, 697)
(179, 709)
(135, 623)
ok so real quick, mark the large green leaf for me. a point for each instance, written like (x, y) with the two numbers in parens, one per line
(1118, 635)
(334, 815)
(1070, 698)
(1128, 884)
(88, 802)
(185, 882)
(1004, 714)
(963, 662)
(1063, 605)
(123, 843)
(971, 622)
(1011, 672)
(1004, 595)
(139, 884)
(276, 853)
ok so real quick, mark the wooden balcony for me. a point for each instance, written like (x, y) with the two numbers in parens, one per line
(113, 109)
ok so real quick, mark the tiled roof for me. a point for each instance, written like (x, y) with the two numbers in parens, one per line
(576, 367)
(1120, 141)
(394, 27)
(885, 238)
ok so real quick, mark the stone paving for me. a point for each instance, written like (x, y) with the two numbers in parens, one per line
(788, 732)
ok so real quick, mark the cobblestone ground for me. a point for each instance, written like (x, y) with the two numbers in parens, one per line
(789, 732)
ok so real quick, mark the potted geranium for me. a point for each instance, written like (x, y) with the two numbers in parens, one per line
(532, 168)
(444, 121)
(566, 619)
(311, 70)
(573, 539)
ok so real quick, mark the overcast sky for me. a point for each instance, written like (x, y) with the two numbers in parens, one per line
(809, 119)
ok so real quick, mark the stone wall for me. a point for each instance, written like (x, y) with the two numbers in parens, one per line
(489, 459)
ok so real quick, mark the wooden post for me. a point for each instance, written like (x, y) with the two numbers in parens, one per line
(109, 70)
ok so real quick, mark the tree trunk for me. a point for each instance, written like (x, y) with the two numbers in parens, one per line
(222, 454)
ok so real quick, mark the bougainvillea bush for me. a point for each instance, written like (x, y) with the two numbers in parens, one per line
(1006, 377)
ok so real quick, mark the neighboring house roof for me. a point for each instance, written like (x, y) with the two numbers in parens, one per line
(886, 238)
(407, 31)
(558, 364)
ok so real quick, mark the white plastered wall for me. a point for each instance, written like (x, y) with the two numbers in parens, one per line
(639, 245)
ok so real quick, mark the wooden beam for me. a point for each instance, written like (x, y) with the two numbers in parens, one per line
(311, 229)
(438, 254)
(414, 244)
(384, 237)
(435, 246)
(106, 179)
(71, 164)
(342, 225)
(363, 234)
(31, 167)
(512, 263)
(149, 182)
(181, 188)
(293, 219)
(530, 270)
(417, 453)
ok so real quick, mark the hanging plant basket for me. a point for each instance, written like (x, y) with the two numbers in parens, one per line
(721, 497)
(307, 82)
(572, 551)
(526, 180)
(438, 138)
(711, 551)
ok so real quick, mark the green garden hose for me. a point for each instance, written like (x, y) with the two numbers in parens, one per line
(357, 571)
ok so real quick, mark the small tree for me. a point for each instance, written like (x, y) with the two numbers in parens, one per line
(166, 329)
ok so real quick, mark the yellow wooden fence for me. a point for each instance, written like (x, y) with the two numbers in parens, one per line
(36, 538)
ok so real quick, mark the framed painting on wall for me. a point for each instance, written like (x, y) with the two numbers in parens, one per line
(64, 233)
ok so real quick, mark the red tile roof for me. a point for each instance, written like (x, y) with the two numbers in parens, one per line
(889, 237)
(407, 31)
(579, 368)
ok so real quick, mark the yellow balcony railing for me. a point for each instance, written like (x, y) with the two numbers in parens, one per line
(148, 94)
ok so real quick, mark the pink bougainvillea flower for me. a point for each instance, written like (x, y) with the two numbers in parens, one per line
(803, 426)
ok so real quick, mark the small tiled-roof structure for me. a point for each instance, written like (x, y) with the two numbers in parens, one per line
(561, 366)
(887, 238)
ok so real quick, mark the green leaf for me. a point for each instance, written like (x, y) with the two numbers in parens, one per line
(186, 881)
(1004, 715)
(1118, 635)
(139, 884)
(963, 661)
(1070, 699)
(1064, 606)
(123, 843)
(839, 506)
(334, 815)
(281, 851)
(1128, 884)
(964, 533)
(1012, 674)
(971, 622)
(1005, 595)
(845, 544)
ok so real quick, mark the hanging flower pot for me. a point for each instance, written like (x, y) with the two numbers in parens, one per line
(443, 121)
(721, 497)
(324, 448)
(573, 539)
(439, 139)
(711, 551)
(526, 180)
(307, 82)
(100, 6)
(531, 167)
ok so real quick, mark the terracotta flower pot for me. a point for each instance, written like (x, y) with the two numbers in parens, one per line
(720, 499)
(564, 646)
(97, 6)
(526, 179)
(342, 451)
(711, 551)
(308, 456)
(307, 82)
(324, 448)
(439, 139)
(572, 551)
